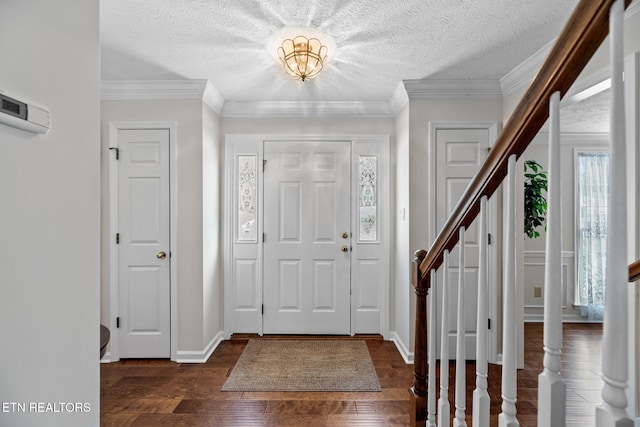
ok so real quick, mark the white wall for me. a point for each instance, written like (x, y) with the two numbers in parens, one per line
(404, 311)
(50, 216)
(212, 238)
(199, 310)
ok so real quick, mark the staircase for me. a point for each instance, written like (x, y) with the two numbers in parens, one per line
(583, 34)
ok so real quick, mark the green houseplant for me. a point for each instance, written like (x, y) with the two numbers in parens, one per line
(535, 204)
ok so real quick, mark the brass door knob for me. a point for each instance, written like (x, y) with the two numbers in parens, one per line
(161, 255)
(345, 235)
(345, 248)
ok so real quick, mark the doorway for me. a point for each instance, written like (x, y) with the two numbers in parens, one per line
(458, 151)
(142, 267)
(307, 229)
(307, 212)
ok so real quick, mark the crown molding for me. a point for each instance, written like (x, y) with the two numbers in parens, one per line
(213, 98)
(152, 89)
(522, 75)
(399, 99)
(453, 89)
(162, 90)
(307, 109)
(633, 8)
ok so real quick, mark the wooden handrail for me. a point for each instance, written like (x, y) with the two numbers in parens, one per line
(582, 35)
(634, 271)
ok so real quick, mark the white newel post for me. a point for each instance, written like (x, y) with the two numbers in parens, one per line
(507, 417)
(443, 401)
(613, 410)
(461, 360)
(431, 353)
(551, 387)
(481, 399)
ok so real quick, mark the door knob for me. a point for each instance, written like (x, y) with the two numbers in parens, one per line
(345, 248)
(345, 235)
(161, 255)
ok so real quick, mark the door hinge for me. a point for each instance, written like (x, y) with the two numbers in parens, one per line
(262, 309)
(264, 165)
(488, 323)
(264, 237)
(117, 152)
(117, 238)
(489, 239)
(118, 322)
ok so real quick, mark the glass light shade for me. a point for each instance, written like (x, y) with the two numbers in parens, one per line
(302, 58)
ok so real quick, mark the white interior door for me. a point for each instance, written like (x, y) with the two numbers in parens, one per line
(459, 156)
(143, 251)
(307, 237)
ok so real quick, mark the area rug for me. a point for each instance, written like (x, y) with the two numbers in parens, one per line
(304, 365)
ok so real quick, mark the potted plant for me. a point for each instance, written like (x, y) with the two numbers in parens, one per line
(535, 204)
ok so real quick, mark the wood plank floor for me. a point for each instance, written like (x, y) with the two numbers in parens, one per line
(162, 393)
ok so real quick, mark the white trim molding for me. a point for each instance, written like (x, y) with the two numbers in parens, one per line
(162, 90)
(453, 89)
(307, 109)
(522, 75)
(203, 355)
(402, 348)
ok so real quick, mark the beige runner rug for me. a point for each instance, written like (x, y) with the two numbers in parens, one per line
(304, 365)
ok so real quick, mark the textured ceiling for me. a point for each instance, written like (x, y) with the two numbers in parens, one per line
(378, 43)
(591, 115)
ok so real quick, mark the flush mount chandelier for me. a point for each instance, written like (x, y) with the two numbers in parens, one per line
(301, 57)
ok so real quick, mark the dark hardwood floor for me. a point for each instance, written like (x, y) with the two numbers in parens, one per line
(162, 393)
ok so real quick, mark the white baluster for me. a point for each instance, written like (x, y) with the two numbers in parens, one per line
(461, 365)
(551, 387)
(431, 354)
(443, 402)
(507, 417)
(481, 399)
(613, 410)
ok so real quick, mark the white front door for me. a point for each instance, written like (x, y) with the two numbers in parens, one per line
(459, 155)
(307, 242)
(143, 251)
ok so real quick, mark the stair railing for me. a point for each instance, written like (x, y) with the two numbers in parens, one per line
(583, 34)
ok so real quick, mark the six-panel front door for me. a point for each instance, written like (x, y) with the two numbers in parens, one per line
(307, 214)
(143, 265)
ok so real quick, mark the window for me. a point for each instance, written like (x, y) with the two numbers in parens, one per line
(368, 199)
(592, 198)
(247, 190)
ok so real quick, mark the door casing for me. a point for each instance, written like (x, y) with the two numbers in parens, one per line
(252, 143)
(114, 352)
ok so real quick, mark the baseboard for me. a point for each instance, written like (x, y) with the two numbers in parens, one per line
(200, 356)
(402, 349)
(106, 358)
(567, 318)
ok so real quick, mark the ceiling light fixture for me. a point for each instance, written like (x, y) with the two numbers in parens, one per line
(301, 57)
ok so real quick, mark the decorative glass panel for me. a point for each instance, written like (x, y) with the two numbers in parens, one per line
(368, 198)
(247, 200)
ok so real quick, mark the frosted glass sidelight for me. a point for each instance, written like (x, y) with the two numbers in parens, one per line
(247, 200)
(368, 198)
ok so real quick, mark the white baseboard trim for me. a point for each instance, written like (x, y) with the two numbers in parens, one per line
(200, 356)
(404, 352)
(567, 318)
(106, 358)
